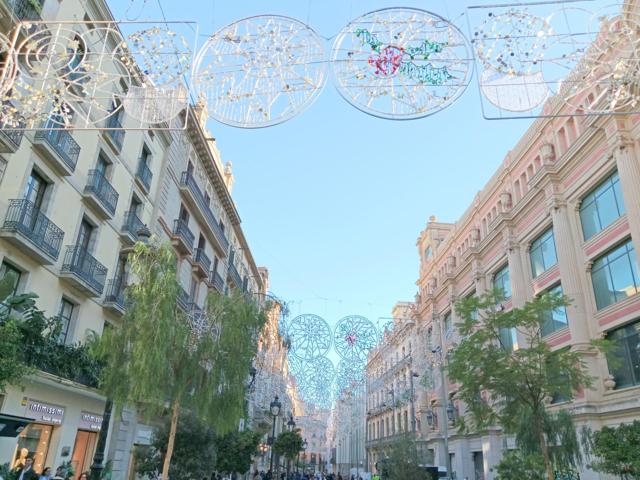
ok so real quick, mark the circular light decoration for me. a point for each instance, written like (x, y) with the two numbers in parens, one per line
(310, 337)
(8, 64)
(349, 374)
(314, 379)
(202, 325)
(511, 48)
(164, 58)
(607, 78)
(401, 63)
(260, 71)
(354, 336)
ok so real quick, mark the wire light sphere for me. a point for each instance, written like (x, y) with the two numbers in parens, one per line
(260, 71)
(310, 337)
(349, 374)
(314, 380)
(401, 63)
(354, 336)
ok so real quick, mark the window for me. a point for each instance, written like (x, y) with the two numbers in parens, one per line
(508, 338)
(428, 253)
(35, 189)
(615, 275)
(448, 325)
(627, 354)
(556, 319)
(64, 316)
(543, 253)
(502, 282)
(85, 235)
(8, 269)
(601, 207)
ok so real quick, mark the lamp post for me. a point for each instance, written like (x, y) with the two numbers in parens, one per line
(291, 423)
(97, 466)
(413, 401)
(393, 408)
(444, 406)
(274, 407)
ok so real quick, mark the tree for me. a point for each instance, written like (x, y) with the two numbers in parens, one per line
(403, 461)
(194, 454)
(161, 354)
(235, 450)
(617, 452)
(516, 464)
(512, 387)
(289, 445)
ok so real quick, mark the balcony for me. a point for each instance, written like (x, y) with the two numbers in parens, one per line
(144, 175)
(183, 300)
(58, 148)
(114, 132)
(235, 276)
(83, 271)
(182, 237)
(216, 281)
(99, 193)
(25, 9)
(28, 229)
(201, 263)
(202, 210)
(130, 228)
(10, 139)
(114, 298)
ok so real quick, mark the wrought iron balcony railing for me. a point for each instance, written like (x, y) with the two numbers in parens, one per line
(200, 258)
(144, 174)
(235, 276)
(132, 224)
(183, 300)
(62, 144)
(181, 230)
(217, 281)
(23, 217)
(115, 131)
(98, 185)
(26, 9)
(81, 264)
(11, 137)
(115, 292)
(189, 182)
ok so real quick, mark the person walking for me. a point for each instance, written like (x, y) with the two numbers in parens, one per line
(46, 474)
(26, 471)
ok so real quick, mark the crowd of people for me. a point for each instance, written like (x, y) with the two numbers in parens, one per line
(302, 476)
(26, 471)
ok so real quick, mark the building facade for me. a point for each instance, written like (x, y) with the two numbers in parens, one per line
(349, 435)
(313, 423)
(71, 205)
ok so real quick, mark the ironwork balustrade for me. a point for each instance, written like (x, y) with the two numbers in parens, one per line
(98, 184)
(144, 174)
(61, 142)
(85, 267)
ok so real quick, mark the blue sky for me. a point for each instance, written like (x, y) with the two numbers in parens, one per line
(333, 201)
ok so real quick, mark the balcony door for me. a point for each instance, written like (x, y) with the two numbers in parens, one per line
(34, 193)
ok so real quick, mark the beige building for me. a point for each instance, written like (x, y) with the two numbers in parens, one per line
(71, 205)
(313, 423)
(349, 432)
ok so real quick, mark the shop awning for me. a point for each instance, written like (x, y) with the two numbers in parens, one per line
(11, 426)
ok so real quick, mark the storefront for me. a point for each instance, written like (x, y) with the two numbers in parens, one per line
(35, 440)
(85, 443)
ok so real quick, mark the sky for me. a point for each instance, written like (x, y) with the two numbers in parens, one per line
(333, 201)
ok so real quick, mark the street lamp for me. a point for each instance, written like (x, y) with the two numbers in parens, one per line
(444, 405)
(413, 402)
(97, 467)
(274, 407)
(291, 423)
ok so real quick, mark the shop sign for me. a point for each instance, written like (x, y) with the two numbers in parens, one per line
(90, 421)
(44, 412)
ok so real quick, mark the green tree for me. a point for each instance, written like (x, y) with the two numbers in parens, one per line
(194, 454)
(403, 461)
(235, 450)
(517, 464)
(617, 452)
(512, 386)
(161, 354)
(289, 445)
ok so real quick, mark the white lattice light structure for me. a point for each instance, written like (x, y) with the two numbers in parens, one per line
(401, 63)
(83, 74)
(260, 71)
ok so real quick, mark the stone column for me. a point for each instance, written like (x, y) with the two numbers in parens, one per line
(628, 163)
(516, 271)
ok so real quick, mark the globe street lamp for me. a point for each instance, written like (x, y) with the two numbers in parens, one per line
(274, 407)
(291, 423)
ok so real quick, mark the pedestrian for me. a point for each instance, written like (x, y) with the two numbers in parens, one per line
(84, 476)
(59, 474)
(26, 472)
(46, 474)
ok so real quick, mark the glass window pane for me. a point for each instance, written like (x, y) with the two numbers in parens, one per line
(633, 347)
(549, 253)
(589, 220)
(607, 208)
(622, 278)
(618, 193)
(537, 264)
(602, 287)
